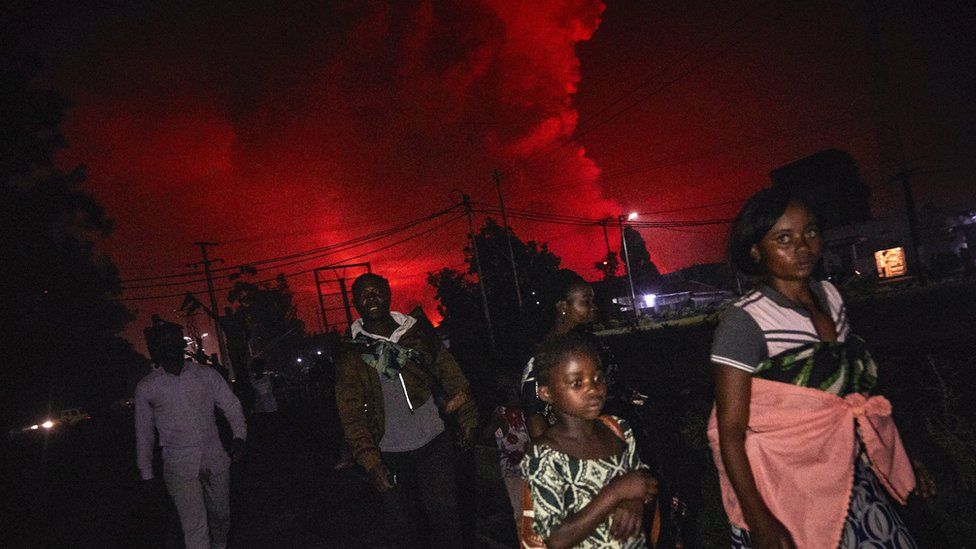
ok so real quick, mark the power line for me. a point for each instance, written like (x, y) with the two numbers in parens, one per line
(560, 219)
(368, 238)
(411, 255)
(699, 207)
(303, 271)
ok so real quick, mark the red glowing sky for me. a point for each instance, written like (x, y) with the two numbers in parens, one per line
(283, 128)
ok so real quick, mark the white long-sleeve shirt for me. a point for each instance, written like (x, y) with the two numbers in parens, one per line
(181, 408)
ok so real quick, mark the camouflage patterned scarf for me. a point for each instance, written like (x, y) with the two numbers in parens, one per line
(387, 357)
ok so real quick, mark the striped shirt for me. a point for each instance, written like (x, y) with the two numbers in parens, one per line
(764, 323)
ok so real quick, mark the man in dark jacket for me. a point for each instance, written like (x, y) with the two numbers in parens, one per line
(390, 377)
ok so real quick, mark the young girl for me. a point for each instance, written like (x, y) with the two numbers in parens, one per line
(587, 483)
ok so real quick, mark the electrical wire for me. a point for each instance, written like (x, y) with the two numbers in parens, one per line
(365, 239)
(303, 271)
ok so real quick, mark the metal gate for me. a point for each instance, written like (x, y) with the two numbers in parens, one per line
(333, 283)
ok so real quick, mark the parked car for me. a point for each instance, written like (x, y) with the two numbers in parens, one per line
(72, 416)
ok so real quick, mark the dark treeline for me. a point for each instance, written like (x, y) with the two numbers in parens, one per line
(60, 319)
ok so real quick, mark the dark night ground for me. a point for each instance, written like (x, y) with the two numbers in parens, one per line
(286, 493)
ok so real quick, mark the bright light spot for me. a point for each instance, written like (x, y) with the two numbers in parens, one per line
(34, 427)
(47, 424)
(632, 216)
(298, 360)
(318, 352)
(204, 334)
(649, 299)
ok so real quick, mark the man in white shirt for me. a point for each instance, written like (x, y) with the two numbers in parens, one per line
(177, 399)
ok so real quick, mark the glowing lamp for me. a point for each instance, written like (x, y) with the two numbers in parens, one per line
(649, 299)
(632, 216)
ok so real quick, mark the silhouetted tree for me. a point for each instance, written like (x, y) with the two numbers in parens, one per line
(460, 301)
(60, 319)
(645, 272)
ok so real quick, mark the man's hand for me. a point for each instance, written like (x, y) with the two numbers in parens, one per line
(456, 402)
(379, 477)
(466, 438)
(237, 448)
(627, 520)
(149, 490)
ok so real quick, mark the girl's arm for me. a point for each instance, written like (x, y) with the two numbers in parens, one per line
(578, 526)
(733, 390)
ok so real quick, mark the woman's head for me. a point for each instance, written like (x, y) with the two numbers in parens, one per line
(570, 376)
(775, 235)
(570, 298)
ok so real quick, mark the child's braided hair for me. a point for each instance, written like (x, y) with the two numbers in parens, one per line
(556, 349)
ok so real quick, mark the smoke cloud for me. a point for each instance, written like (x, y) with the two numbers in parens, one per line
(274, 129)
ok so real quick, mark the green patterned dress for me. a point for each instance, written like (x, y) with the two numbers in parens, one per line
(562, 485)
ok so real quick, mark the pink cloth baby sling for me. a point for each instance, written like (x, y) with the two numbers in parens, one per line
(801, 445)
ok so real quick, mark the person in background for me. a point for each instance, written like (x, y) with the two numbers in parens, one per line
(507, 427)
(177, 399)
(802, 446)
(570, 300)
(264, 398)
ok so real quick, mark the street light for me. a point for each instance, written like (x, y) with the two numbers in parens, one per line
(630, 276)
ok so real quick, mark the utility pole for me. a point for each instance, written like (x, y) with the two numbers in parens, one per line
(891, 151)
(224, 355)
(497, 176)
(466, 200)
(606, 237)
(630, 274)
